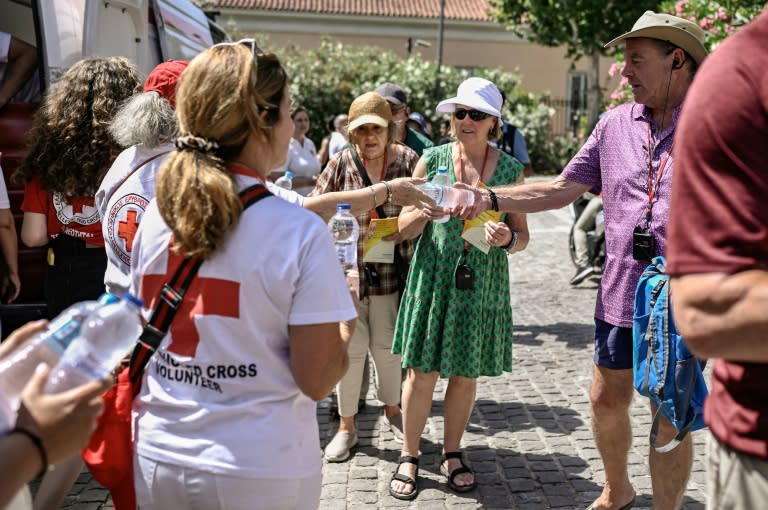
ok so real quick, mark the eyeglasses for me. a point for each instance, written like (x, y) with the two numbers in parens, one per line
(252, 45)
(475, 115)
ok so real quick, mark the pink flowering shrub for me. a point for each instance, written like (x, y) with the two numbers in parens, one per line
(718, 19)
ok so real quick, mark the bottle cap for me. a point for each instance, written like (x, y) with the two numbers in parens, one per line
(133, 299)
(108, 298)
(343, 207)
(442, 169)
(288, 174)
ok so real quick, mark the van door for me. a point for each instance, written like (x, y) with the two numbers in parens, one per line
(119, 28)
(60, 34)
(183, 29)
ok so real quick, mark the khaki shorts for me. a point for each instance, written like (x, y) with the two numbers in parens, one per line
(735, 480)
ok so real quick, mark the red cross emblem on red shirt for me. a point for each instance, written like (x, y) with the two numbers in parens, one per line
(126, 230)
(205, 296)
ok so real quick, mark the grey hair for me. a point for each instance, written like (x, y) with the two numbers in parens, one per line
(147, 119)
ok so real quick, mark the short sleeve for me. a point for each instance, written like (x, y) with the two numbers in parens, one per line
(36, 199)
(584, 167)
(4, 202)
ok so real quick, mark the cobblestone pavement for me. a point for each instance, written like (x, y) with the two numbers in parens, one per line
(529, 438)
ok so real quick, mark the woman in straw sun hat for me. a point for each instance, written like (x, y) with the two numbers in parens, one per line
(444, 329)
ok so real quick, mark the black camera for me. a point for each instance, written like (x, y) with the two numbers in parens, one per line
(643, 244)
(465, 276)
(371, 276)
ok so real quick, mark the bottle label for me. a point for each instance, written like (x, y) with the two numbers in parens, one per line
(58, 339)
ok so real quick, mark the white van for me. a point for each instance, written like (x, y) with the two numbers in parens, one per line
(65, 31)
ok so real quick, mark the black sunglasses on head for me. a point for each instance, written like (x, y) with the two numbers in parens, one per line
(475, 115)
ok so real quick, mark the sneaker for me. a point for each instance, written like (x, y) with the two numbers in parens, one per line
(395, 425)
(582, 272)
(338, 449)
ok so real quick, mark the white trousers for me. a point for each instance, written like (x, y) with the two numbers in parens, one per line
(161, 486)
(374, 331)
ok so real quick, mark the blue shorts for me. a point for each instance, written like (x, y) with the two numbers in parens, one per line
(613, 346)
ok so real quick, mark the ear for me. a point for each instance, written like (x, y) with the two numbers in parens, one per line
(678, 59)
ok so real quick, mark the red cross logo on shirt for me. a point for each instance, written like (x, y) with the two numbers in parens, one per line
(205, 296)
(77, 206)
(126, 230)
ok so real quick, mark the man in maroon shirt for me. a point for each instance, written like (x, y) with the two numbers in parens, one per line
(718, 256)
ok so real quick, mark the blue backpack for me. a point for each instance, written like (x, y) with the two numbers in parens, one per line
(664, 369)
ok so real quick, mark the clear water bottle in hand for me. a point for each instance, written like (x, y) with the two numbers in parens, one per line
(444, 194)
(285, 180)
(345, 231)
(107, 335)
(46, 347)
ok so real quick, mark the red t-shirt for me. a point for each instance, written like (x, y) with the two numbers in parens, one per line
(73, 216)
(719, 217)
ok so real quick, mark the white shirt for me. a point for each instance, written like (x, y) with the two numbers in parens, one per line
(336, 143)
(303, 162)
(121, 200)
(219, 395)
(5, 203)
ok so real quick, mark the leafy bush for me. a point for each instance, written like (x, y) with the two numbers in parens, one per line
(325, 80)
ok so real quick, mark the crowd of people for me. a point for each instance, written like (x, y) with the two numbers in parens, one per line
(122, 183)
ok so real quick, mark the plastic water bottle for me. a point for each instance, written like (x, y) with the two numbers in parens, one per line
(107, 335)
(46, 347)
(441, 179)
(444, 194)
(286, 180)
(345, 231)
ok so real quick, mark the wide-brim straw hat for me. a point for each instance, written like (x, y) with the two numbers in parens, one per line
(477, 93)
(370, 108)
(665, 27)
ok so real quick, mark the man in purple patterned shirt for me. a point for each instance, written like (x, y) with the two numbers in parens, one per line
(628, 158)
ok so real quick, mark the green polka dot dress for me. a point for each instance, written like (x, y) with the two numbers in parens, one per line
(444, 329)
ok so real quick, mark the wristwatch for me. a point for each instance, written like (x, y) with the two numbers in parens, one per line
(510, 246)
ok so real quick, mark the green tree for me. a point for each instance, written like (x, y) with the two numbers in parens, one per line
(583, 26)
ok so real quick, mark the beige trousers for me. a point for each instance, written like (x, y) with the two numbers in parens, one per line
(374, 331)
(735, 480)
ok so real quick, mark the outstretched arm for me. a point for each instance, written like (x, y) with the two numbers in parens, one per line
(24, 59)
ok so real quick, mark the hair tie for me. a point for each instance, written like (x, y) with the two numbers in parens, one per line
(189, 141)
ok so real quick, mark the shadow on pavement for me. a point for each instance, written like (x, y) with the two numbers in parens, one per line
(573, 335)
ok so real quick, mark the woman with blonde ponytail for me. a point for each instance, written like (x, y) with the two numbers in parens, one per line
(226, 413)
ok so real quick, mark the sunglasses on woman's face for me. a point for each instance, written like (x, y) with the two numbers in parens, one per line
(475, 115)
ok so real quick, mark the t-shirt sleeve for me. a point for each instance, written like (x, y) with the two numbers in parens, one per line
(5, 203)
(720, 183)
(36, 199)
(286, 194)
(521, 149)
(321, 294)
(5, 48)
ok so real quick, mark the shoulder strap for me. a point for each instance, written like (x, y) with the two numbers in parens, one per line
(137, 167)
(366, 179)
(171, 296)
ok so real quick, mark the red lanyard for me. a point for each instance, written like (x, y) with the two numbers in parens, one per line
(461, 164)
(373, 213)
(654, 187)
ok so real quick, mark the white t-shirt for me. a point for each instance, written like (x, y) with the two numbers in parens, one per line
(121, 200)
(5, 203)
(303, 162)
(30, 92)
(219, 395)
(336, 143)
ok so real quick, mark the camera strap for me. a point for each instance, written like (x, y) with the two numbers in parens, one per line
(651, 186)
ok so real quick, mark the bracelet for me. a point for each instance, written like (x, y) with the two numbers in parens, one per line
(494, 200)
(38, 443)
(511, 244)
(389, 192)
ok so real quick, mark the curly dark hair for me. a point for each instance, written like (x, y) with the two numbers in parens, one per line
(71, 147)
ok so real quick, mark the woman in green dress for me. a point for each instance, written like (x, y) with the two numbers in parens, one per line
(443, 330)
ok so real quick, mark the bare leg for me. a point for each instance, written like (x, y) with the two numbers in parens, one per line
(670, 471)
(611, 395)
(459, 400)
(57, 482)
(417, 402)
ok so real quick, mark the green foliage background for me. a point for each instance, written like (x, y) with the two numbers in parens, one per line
(326, 80)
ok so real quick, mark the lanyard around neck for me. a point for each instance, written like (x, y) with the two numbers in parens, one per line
(482, 168)
(653, 187)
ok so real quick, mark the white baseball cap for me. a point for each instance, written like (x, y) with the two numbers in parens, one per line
(477, 93)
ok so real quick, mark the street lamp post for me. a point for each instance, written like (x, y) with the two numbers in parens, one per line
(441, 31)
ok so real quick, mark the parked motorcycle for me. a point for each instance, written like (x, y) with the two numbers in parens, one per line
(595, 237)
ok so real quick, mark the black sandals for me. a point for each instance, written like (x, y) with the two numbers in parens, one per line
(405, 479)
(459, 470)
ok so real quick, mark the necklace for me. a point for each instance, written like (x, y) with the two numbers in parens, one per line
(482, 168)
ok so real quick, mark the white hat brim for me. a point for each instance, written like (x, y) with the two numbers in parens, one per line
(449, 105)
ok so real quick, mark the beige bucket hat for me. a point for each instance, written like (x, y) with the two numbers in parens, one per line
(678, 31)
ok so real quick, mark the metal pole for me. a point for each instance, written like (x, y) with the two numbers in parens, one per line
(441, 31)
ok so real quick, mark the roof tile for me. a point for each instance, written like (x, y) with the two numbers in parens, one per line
(466, 10)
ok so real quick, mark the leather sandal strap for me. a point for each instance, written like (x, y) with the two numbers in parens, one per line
(408, 459)
(459, 470)
(453, 455)
(404, 478)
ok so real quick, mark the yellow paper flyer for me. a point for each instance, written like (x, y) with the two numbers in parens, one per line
(474, 231)
(375, 248)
